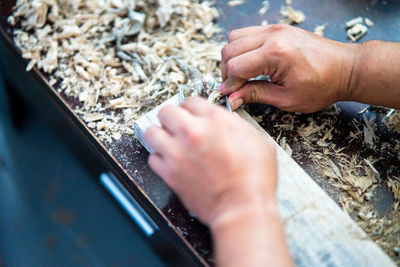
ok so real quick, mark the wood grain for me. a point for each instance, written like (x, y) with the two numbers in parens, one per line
(318, 232)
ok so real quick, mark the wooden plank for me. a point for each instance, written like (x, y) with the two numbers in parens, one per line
(318, 232)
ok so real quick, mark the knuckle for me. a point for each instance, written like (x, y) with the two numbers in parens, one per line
(280, 49)
(231, 67)
(186, 131)
(286, 104)
(195, 138)
(175, 156)
(225, 53)
(254, 94)
(220, 115)
(151, 161)
(232, 35)
(150, 132)
(194, 100)
(277, 28)
(169, 175)
(164, 111)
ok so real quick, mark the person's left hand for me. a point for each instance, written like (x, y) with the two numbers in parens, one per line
(217, 163)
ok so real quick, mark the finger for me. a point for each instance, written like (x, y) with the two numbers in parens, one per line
(174, 119)
(243, 67)
(240, 33)
(198, 106)
(238, 47)
(159, 140)
(223, 70)
(241, 46)
(258, 92)
(157, 164)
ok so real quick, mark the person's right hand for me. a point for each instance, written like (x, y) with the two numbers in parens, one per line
(308, 72)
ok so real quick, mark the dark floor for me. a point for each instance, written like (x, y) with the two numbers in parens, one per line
(53, 212)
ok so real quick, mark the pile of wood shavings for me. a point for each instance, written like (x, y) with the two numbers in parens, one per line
(120, 58)
(339, 156)
(205, 87)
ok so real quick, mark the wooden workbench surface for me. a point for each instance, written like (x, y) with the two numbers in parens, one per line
(127, 158)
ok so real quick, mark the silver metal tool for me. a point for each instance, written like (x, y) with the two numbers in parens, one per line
(228, 106)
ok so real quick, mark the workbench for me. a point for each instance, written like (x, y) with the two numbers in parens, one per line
(127, 159)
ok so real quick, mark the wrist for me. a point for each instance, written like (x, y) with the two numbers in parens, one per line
(250, 236)
(240, 214)
(349, 72)
(363, 68)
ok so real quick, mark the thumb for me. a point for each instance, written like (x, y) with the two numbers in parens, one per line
(257, 92)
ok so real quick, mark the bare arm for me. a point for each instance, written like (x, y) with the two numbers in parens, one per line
(251, 238)
(225, 172)
(308, 72)
(376, 78)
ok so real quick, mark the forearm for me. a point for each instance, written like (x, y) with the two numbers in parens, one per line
(251, 238)
(376, 74)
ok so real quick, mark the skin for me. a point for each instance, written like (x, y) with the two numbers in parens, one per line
(308, 72)
(222, 169)
(229, 185)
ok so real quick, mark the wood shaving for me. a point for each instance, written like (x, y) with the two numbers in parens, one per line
(258, 119)
(119, 58)
(290, 15)
(369, 135)
(394, 186)
(353, 22)
(368, 22)
(89, 117)
(204, 87)
(234, 3)
(377, 174)
(392, 121)
(356, 29)
(285, 146)
(356, 32)
(319, 30)
(264, 8)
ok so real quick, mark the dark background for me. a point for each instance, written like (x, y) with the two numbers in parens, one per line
(53, 211)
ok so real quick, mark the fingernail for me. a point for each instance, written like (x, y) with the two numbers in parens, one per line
(236, 103)
(223, 89)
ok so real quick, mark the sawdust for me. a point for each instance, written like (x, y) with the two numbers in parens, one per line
(369, 22)
(206, 87)
(234, 3)
(264, 8)
(120, 58)
(290, 15)
(392, 121)
(319, 30)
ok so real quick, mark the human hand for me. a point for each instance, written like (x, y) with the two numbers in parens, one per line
(308, 72)
(216, 162)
